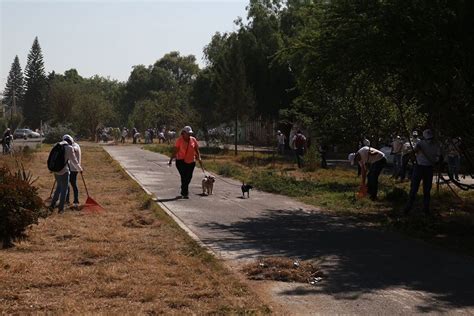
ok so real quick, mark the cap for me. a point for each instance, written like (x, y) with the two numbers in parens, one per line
(187, 129)
(366, 142)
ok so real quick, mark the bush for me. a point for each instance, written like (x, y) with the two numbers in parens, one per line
(20, 205)
(55, 134)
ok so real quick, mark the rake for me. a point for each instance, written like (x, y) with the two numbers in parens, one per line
(91, 205)
(50, 198)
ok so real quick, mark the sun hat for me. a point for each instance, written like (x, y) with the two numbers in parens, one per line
(187, 129)
(351, 158)
(427, 134)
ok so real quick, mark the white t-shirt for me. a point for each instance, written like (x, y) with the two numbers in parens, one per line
(397, 146)
(365, 157)
(281, 139)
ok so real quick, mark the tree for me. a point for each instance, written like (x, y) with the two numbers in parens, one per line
(34, 109)
(15, 87)
(235, 98)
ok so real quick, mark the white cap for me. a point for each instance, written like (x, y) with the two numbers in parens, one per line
(366, 142)
(351, 158)
(187, 129)
(427, 134)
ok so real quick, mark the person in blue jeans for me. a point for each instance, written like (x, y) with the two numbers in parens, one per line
(74, 170)
(427, 153)
(62, 176)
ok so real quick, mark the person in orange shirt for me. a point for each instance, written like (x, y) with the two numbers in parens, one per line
(186, 151)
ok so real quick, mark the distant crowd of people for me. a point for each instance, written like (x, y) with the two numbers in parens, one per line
(163, 135)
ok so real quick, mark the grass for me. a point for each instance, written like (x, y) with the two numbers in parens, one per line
(131, 258)
(333, 190)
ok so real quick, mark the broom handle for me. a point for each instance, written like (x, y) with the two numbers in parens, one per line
(85, 186)
(54, 184)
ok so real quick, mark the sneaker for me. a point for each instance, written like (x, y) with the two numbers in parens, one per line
(76, 206)
(186, 197)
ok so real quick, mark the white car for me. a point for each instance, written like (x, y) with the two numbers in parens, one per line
(25, 133)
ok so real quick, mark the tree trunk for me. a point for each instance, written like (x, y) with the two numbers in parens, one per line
(235, 134)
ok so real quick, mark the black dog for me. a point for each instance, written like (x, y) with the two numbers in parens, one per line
(246, 188)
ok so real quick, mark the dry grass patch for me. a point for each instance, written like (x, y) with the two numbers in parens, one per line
(284, 269)
(131, 258)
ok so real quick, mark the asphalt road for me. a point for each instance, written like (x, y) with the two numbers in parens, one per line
(366, 271)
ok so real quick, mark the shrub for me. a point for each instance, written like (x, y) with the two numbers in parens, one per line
(20, 205)
(55, 134)
(228, 170)
(312, 159)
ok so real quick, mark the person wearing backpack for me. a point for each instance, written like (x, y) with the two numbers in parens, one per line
(74, 170)
(299, 144)
(58, 159)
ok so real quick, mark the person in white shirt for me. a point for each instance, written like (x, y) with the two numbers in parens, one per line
(397, 147)
(74, 170)
(428, 153)
(375, 159)
(62, 177)
(281, 142)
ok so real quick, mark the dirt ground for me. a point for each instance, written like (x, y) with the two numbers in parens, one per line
(131, 258)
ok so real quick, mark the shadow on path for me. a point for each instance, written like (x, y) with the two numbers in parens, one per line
(356, 260)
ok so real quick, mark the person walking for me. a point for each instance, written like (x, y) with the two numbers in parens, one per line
(427, 153)
(281, 142)
(6, 141)
(454, 157)
(299, 144)
(374, 161)
(135, 135)
(74, 170)
(186, 151)
(396, 151)
(62, 176)
(124, 135)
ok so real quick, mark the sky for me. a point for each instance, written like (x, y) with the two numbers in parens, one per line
(108, 37)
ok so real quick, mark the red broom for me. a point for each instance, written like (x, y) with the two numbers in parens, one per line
(91, 205)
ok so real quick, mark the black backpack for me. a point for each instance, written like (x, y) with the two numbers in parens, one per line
(57, 158)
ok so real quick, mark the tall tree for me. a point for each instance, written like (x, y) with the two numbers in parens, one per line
(15, 86)
(236, 99)
(34, 109)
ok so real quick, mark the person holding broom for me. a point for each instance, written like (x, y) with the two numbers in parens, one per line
(74, 168)
(62, 176)
(373, 161)
(186, 151)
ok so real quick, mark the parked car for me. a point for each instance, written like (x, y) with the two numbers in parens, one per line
(25, 133)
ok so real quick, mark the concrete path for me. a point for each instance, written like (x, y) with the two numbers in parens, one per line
(366, 271)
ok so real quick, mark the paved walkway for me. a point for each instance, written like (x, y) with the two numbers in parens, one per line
(367, 271)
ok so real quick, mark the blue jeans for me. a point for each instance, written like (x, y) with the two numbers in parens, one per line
(62, 185)
(424, 173)
(454, 163)
(397, 165)
(73, 182)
